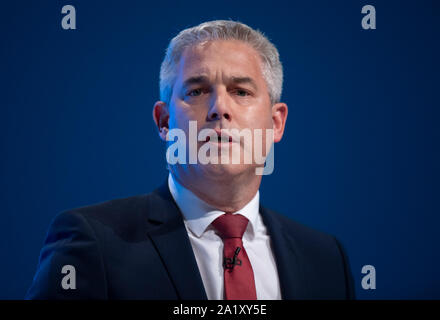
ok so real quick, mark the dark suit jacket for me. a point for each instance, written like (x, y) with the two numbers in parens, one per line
(138, 248)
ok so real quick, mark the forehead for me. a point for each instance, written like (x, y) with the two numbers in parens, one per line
(221, 58)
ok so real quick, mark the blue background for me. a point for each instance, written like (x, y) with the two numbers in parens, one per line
(360, 157)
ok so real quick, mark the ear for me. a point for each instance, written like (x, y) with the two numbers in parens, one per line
(279, 117)
(161, 117)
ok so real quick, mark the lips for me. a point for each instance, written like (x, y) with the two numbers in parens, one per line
(220, 137)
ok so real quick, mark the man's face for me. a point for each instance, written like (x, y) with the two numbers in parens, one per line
(220, 85)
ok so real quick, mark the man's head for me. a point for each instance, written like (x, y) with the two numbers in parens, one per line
(222, 30)
(224, 75)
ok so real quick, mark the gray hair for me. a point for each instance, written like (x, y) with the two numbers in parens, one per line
(222, 30)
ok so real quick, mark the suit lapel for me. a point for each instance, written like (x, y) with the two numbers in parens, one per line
(288, 256)
(171, 240)
(172, 243)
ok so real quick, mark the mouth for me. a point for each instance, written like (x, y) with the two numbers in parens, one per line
(220, 139)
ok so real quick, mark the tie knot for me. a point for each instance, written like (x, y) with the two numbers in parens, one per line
(230, 225)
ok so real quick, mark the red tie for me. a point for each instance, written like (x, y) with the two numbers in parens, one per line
(238, 274)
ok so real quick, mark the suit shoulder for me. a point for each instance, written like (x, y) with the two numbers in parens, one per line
(124, 216)
(303, 233)
(327, 264)
(112, 207)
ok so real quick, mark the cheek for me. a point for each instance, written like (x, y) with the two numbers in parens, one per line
(178, 115)
(258, 115)
(181, 115)
(174, 115)
(260, 120)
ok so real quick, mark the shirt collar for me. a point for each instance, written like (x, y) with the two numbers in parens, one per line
(198, 215)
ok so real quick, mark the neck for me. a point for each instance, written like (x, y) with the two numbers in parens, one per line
(225, 193)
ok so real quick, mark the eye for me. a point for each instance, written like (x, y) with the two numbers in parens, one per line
(241, 92)
(195, 93)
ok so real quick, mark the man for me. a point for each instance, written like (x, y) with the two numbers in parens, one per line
(203, 234)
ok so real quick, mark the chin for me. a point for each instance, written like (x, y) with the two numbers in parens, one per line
(225, 171)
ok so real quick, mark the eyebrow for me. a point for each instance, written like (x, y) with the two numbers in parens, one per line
(244, 80)
(195, 80)
(234, 79)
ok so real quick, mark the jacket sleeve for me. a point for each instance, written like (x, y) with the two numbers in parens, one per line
(70, 264)
(349, 282)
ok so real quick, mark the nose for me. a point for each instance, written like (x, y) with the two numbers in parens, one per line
(219, 106)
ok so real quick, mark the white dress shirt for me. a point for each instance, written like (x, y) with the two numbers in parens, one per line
(208, 246)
